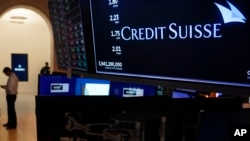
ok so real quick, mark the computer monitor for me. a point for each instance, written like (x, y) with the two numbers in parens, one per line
(56, 85)
(92, 87)
(120, 89)
(183, 93)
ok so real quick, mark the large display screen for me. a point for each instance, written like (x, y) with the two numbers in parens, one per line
(68, 23)
(179, 40)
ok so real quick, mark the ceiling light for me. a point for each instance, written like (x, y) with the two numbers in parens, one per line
(18, 17)
(18, 22)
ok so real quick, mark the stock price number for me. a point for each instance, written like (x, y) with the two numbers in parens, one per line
(114, 18)
(109, 65)
(117, 50)
(116, 34)
(113, 2)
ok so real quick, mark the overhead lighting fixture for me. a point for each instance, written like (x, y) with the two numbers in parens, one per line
(17, 22)
(18, 17)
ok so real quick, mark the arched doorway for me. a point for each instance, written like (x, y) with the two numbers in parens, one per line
(24, 29)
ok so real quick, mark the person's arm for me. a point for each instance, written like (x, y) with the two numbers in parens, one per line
(4, 86)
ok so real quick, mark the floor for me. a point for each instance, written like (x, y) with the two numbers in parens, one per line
(26, 128)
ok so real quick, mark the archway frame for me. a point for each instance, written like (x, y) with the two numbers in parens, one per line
(45, 16)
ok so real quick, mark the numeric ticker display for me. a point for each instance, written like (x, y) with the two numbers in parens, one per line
(67, 24)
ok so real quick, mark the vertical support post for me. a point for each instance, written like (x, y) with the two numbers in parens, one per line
(163, 128)
(138, 133)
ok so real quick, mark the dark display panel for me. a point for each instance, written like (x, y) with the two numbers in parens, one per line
(221, 128)
(190, 41)
(69, 36)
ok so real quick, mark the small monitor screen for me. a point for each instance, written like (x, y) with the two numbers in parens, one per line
(218, 94)
(183, 93)
(120, 89)
(96, 89)
(56, 85)
(92, 87)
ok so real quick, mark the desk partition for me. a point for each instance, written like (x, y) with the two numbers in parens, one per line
(99, 118)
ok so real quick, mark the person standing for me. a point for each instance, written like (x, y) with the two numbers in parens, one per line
(45, 70)
(11, 89)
